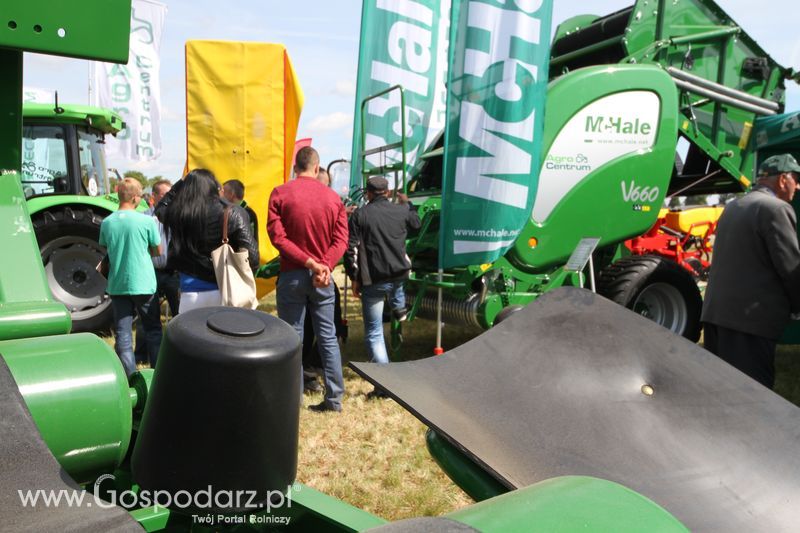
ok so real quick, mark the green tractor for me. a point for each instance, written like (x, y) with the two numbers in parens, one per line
(66, 184)
(626, 91)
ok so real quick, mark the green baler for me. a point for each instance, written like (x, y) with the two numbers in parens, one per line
(624, 89)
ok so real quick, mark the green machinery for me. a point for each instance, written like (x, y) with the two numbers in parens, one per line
(624, 88)
(66, 183)
(87, 415)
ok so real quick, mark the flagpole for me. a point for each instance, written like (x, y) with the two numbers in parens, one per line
(438, 350)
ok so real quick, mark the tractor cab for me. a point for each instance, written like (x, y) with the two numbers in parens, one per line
(62, 150)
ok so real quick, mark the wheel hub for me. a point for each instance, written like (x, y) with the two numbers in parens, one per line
(70, 263)
(663, 304)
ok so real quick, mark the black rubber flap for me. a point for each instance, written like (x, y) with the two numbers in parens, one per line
(27, 465)
(577, 385)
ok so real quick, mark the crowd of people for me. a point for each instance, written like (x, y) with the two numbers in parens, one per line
(166, 252)
(753, 287)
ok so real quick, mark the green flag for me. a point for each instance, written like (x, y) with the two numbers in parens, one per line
(777, 129)
(495, 102)
(403, 42)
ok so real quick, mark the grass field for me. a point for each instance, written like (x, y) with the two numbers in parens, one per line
(373, 454)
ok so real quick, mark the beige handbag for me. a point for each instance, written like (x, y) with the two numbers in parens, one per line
(237, 286)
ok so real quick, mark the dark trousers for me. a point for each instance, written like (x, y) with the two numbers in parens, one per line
(753, 355)
(169, 286)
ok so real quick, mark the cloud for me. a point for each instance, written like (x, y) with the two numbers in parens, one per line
(344, 88)
(330, 122)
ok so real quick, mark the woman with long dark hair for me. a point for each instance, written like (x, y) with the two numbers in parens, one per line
(192, 211)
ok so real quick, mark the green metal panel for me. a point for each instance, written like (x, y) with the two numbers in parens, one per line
(325, 513)
(310, 510)
(90, 29)
(611, 132)
(78, 395)
(693, 36)
(104, 120)
(10, 110)
(568, 504)
(26, 307)
(466, 474)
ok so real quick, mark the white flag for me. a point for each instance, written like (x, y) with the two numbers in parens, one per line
(36, 95)
(134, 90)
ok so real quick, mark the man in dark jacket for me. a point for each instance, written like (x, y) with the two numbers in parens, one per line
(233, 191)
(754, 284)
(376, 260)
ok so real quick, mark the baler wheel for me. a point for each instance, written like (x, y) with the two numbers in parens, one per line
(69, 243)
(655, 288)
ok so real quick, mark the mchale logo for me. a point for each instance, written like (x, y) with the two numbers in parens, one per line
(618, 125)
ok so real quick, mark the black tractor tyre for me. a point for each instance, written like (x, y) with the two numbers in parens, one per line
(656, 288)
(69, 243)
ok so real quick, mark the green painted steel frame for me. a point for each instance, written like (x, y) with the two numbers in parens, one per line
(92, 29)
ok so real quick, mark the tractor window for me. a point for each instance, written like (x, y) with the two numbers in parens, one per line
(44, 160)
(93, 162)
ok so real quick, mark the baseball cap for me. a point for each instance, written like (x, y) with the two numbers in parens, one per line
(377, 184)
(778, 164)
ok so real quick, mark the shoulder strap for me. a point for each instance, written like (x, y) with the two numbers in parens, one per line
(225, 224)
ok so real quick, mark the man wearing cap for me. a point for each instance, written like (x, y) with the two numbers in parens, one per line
(308, 226)
(376, 260)
(754, 283)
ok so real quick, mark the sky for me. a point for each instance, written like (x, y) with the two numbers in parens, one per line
(322, 37)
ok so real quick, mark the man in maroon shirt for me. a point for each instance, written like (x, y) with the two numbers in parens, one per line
(308, 225)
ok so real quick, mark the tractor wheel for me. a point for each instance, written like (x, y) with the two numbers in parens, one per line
(655, 288)
(68, 241)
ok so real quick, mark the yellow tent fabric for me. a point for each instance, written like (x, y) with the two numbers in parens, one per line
(243, 104)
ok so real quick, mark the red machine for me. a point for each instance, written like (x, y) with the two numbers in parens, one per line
(681, 235)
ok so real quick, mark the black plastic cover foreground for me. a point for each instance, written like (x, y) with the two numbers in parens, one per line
(577, 385)
(27, 465)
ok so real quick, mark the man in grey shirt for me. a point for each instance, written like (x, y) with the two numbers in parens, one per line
(754, 283)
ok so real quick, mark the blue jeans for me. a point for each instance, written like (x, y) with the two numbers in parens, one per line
(295, 292)
(372, 297)
(149, 311)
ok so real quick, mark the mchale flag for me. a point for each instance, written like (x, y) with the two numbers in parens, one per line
(496, 93)
(403, 42)
(134, 90)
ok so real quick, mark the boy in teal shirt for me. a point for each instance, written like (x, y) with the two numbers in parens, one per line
(131, 238)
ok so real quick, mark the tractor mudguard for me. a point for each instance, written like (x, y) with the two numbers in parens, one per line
(102, 205)
(574, 384)
(609, 139)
